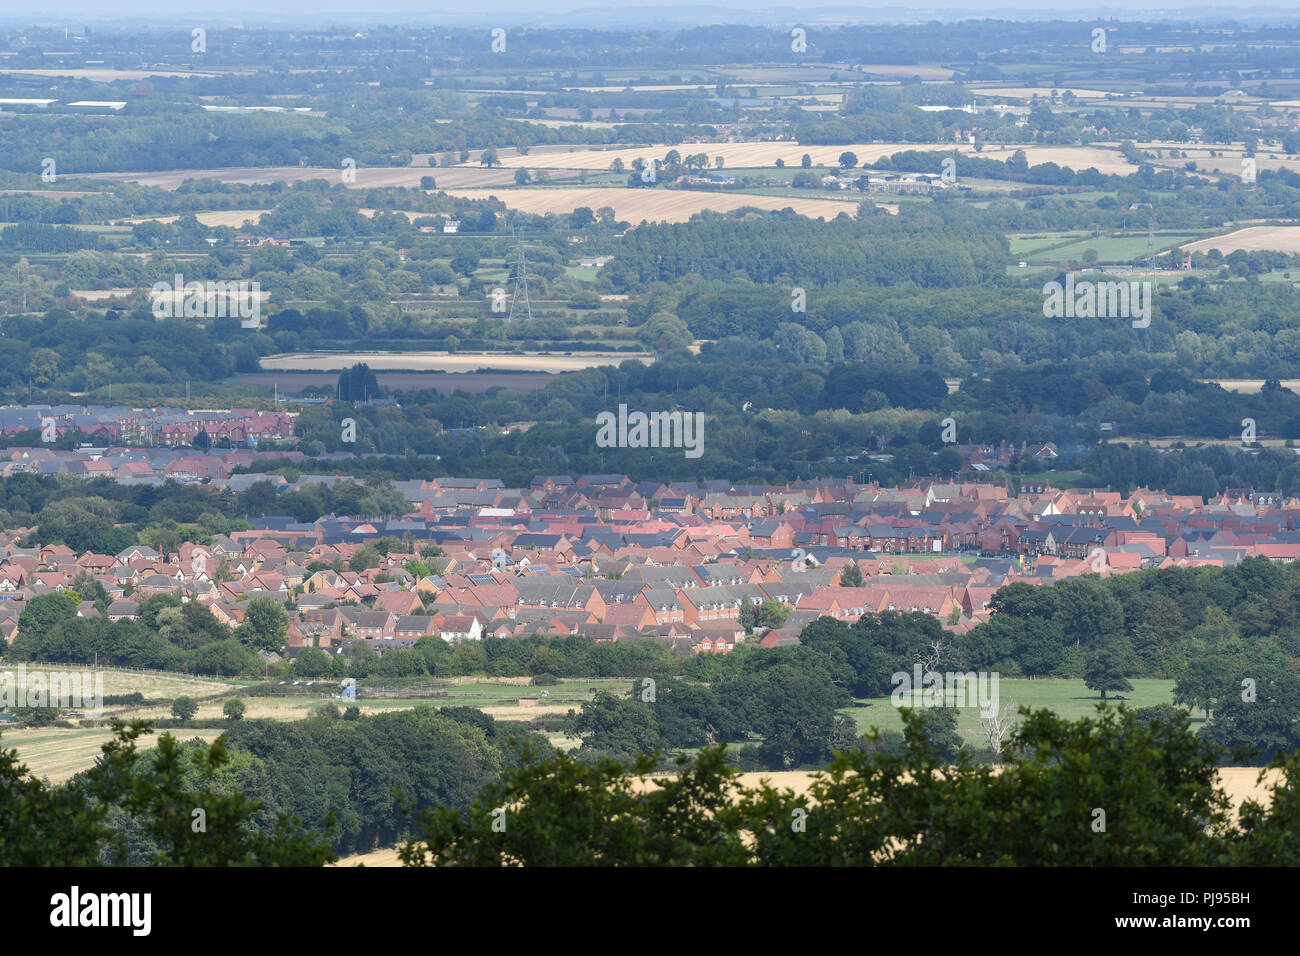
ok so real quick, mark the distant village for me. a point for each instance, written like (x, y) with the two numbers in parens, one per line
(613, 559)
(150, 427)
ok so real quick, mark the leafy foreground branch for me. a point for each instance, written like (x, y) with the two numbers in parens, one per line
(1110, 790)
(153, 796)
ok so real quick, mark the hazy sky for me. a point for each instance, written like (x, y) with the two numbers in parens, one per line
(584, 12)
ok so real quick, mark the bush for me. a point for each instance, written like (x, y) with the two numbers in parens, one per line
(38, 717)
(111, 700)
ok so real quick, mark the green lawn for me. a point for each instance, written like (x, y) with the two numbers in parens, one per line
(1067, 698)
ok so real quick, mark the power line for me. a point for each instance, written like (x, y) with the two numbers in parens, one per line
(521, 283)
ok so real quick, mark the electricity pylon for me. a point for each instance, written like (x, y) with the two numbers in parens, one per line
(519, 294)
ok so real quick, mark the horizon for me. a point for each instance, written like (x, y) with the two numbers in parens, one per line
(667, 15)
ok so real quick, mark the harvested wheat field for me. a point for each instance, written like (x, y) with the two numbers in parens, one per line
(59, 753)
(585, 124)
(373, 858)
(1251, 239)
(367, 177)
(733, 154)
(151, 685)
(745, 155)
(661, 88)
(50, 193)
(653, 205)
(1239, 783)
(513, 712)
(270, 708)
(1243, 783)
(445, 362)
(1251, 386)
(99, 295)
(102, 75)
(1045, 92)
(1105, 160)
(411, 214)
(1230, 165)
(224, 217)
(905, 70)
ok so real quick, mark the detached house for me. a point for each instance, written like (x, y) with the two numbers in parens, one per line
(461, 627)
(123, 611)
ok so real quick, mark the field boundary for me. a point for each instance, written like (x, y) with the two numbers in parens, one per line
(49, 665)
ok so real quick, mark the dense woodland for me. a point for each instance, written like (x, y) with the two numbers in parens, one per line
(878, 806)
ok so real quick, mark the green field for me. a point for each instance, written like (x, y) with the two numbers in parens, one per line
(1113, 248)
(1291, 276)
(1067, 698)
(1029, 244)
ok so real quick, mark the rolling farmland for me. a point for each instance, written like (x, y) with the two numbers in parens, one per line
(653, 205)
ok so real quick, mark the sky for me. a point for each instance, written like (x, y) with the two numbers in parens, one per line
(669, 13)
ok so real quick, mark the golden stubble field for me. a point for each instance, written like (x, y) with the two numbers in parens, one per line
(1230, 165)
(652, 205)
(741, 155)
(1251, 386)
(444, 362)
(223, 217)
(1043, 92)
(470, 176)
(733, 154)
(272, 708)
(61, 752)
(1238, 783)
(111, 75)
(58, 753)
(367, 177)
(1106, 160)
(129, 682)
(1251, 239)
